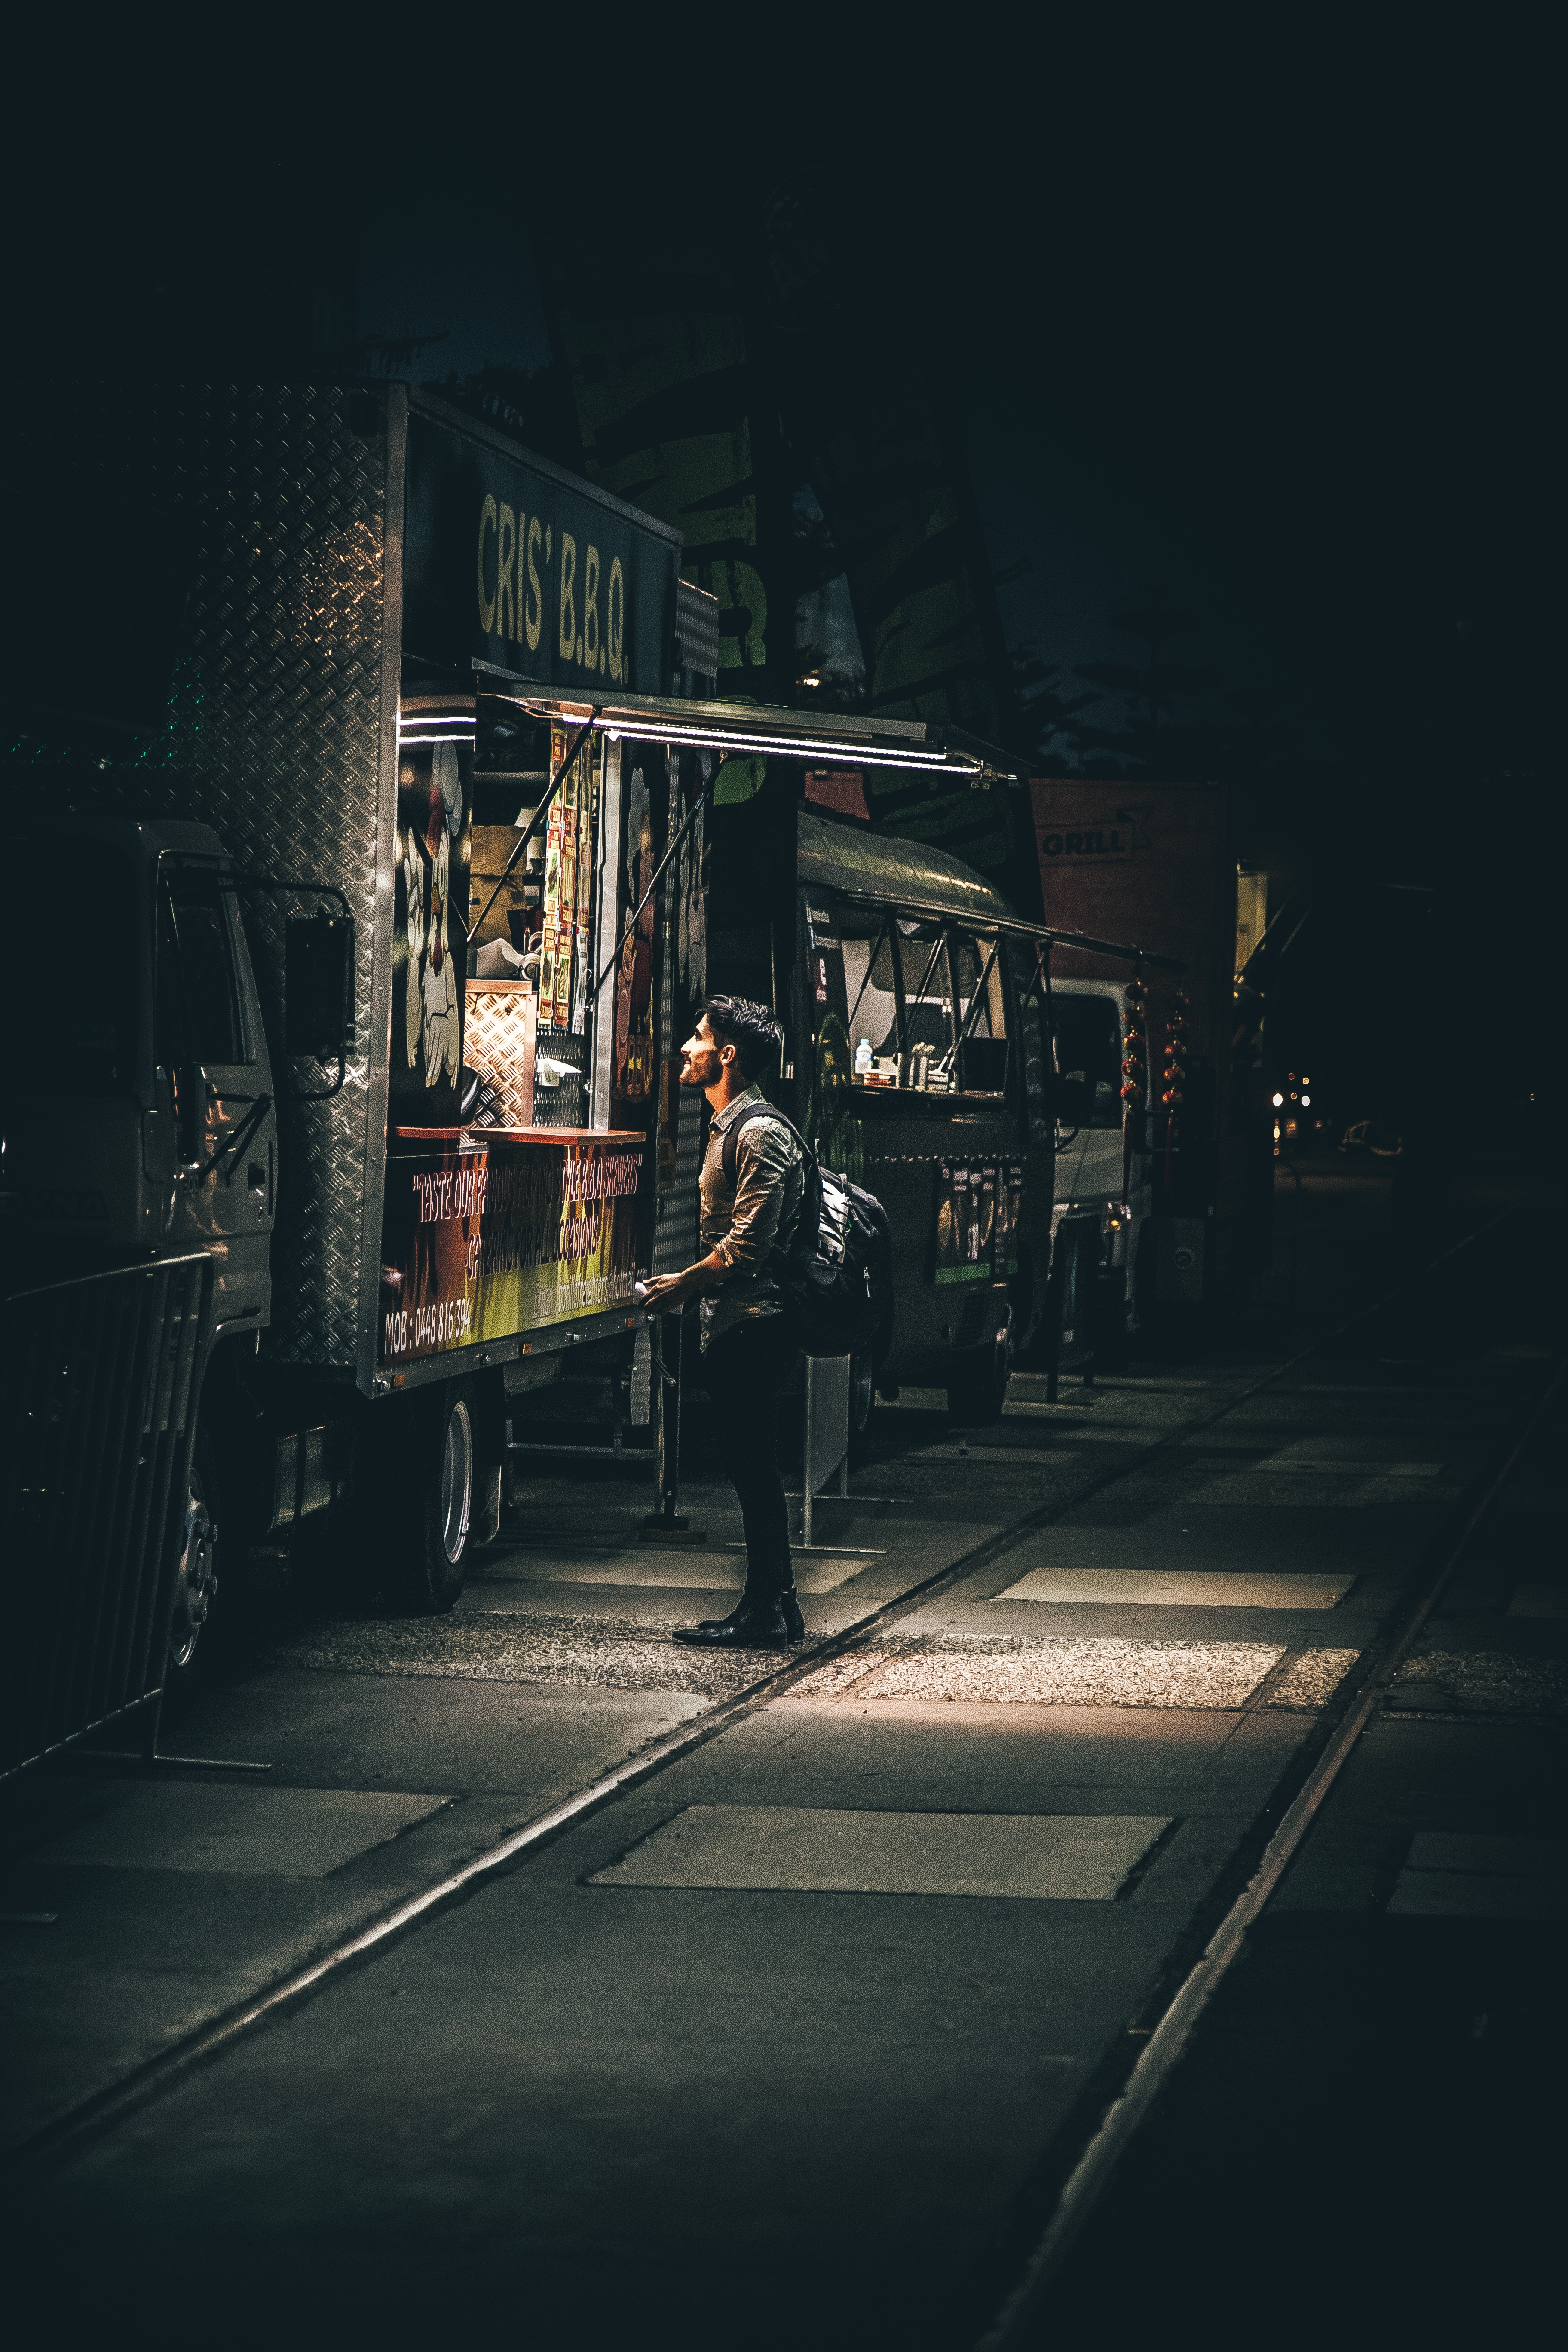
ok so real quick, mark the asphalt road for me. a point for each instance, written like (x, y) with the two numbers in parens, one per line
(802, 2033)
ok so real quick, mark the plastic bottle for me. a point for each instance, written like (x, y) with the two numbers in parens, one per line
(863, 1058)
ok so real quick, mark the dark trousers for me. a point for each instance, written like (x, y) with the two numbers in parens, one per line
(744, 1369)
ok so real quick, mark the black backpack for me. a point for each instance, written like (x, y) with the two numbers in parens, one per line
(837, 1269)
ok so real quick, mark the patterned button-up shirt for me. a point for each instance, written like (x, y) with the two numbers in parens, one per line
(747, 1221)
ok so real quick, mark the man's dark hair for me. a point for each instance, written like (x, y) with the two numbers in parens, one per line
(750, 1027)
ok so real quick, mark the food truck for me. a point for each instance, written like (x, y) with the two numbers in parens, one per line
(402, 902)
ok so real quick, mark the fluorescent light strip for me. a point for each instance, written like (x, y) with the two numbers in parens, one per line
(795, 746)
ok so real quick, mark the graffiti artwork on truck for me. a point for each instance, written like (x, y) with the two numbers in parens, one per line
(480, 1245)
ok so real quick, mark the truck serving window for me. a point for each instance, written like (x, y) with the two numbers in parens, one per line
(955, 1001)
(198, 996)
(1089, 1048)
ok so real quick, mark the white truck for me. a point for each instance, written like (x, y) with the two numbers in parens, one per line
(1164, 1179)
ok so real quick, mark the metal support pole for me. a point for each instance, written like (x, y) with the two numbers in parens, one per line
(1055, 1294)
(808, 1479)
(665, 1522)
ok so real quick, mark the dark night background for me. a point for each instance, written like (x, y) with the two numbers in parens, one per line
(1235, 348)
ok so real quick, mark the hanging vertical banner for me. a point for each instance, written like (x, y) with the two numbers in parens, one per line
(570, 843)
(633, 1077)
(430, 909)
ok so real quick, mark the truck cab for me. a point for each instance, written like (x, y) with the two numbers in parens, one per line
(149, 1127)
(1099, 1183)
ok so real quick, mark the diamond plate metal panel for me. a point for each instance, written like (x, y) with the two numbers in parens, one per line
(277, 739)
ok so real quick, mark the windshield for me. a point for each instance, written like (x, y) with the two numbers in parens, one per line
(1088, 1048)
(94, 995)
(198, 996)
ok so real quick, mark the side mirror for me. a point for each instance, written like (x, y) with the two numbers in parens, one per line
(319, 986)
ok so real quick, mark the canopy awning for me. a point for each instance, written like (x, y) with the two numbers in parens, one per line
(859, 874)
(984, 920)
(752, 728)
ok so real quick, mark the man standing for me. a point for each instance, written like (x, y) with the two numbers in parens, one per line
(748, 1218)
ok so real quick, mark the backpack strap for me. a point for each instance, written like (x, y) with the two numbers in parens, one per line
(728, 1155)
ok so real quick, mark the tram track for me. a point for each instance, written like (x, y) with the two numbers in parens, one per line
(207, 2043)
(1120, 2101)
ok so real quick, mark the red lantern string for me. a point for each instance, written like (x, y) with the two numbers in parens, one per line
(1134, 1078)
(1173, 1077)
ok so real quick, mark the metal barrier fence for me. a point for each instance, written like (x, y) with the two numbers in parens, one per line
(827, 1437)
(98, 1382)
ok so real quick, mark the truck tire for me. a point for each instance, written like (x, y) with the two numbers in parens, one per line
(431, 1529)
(190, 1643)
(977, 1384)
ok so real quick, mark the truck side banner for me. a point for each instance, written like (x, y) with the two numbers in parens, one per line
(480, 1245)
(510, 564)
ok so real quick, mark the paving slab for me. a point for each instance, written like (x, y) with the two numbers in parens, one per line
(627, 2072)
(1058, 1671)
(1154, 1531)
(1544, 1601)
(1177, 1587)
(273, 1832)
(705, 1569)
(1311, 1679)
(1450, 1875)
(521, 1743)
(936, 1755)
(1480, 1682)
(1040, 1856)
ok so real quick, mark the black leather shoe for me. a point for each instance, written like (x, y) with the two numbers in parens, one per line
(754, 1625)
(789, 1605)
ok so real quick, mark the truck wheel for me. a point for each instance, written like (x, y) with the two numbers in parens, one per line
(432, 1533)
(977, 1384)
(197, 1580)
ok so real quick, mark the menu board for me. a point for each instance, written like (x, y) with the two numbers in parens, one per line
(978, 1205)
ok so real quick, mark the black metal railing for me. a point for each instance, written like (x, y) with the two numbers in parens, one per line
(99, 1379)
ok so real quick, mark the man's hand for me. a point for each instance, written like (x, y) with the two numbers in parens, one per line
(666, 1294)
